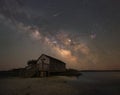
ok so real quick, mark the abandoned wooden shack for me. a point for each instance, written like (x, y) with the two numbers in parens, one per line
(44, 66)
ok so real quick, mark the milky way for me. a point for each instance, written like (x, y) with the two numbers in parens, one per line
(70, 31)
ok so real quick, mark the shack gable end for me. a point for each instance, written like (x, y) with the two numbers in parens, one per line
(48, 63)
(43, 59)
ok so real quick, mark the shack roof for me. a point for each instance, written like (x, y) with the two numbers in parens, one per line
(51, 58)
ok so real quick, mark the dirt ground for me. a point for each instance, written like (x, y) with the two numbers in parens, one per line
(87, 84)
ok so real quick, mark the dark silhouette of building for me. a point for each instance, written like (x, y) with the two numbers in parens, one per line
(44, 66)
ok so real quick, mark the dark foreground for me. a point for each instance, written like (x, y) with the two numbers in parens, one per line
(89, 83)
(98, 83)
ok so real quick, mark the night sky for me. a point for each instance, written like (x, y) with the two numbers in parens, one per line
(85, 34)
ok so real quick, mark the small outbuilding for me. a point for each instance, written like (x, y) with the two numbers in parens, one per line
(44, 66)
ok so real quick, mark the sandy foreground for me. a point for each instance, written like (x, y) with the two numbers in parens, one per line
(37, 86)
(87, 84)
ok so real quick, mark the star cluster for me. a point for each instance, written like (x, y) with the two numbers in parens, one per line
(77, 32)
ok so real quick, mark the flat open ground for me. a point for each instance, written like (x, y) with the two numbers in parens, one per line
(89, 83)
